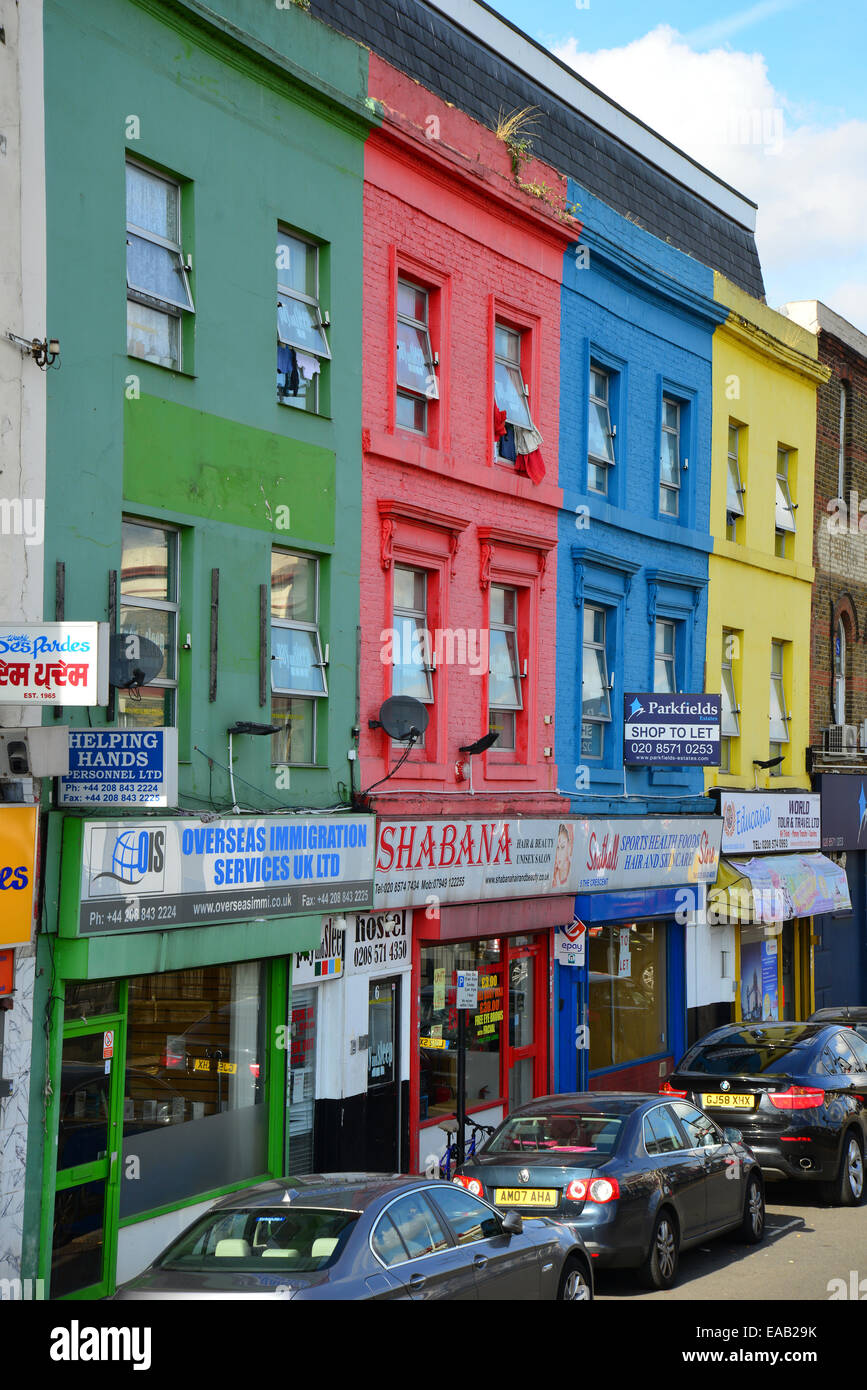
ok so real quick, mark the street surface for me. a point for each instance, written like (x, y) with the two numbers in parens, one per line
(807, 1244)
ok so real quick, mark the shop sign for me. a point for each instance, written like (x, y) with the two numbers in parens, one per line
(423, 862)
(683, 730)
(121, 768)
(17, 873)
(376, 940)
(107, 1045)
(844, 810)
(624, 954)
(60, 663)
(754, 823)
(326, 962)
(155, 874)
(570, 943)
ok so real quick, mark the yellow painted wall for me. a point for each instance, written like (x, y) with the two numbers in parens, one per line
(765, 377)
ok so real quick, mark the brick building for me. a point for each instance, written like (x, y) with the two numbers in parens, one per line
(838, 662)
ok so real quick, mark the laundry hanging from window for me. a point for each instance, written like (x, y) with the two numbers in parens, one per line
(516, 438)
(519, 445)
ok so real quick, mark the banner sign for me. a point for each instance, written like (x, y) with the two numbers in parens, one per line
(121, 767)
(675, 729)
(142, 875)
(754, 822)
(63, 663)
(424, 862)
(844, 809)
(794, 885)
(17, 873)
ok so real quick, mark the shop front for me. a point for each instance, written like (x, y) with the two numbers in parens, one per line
(841, 940)
(772, 883)
(620, 986)
(170, 1051)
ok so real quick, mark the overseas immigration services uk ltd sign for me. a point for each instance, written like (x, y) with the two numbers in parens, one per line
(154, 874)
(679, 729)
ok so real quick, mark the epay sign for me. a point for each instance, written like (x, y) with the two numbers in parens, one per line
(17, 873)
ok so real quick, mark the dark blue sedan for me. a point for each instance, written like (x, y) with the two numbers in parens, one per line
(641, 1178)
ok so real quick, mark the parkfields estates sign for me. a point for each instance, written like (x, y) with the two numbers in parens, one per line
(423, 862)
(154, 874)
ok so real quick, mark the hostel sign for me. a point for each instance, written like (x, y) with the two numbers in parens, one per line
(159, 873)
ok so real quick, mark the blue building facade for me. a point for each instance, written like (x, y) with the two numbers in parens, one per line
(635, 455)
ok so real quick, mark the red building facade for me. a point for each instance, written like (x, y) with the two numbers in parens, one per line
(463, 272)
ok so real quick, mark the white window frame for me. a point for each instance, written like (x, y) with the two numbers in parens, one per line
(841, 447)
(733, 476)
(673, 488)
(606, 681)
(169, 605)
(313, 301)
(777, 680)
(400, 614)
(174, 309)
(784, 512)
(512, 362)
(668, 658)
(728, 693)
(420, 326)
(594, 461)
(508, 628)
(284, 692)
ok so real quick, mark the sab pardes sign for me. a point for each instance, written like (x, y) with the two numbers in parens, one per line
(63, 663)
(756, 823)
(423, 862)
(139, 875)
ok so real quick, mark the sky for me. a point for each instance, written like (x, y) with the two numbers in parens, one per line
(769, 95)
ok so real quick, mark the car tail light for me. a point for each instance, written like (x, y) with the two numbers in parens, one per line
(254, 1068)
(471, 1184)
(604, 1190)
(577, 1191)
(667, 1090)
(797, 1098)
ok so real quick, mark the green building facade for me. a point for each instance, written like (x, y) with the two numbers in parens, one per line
(203, 494)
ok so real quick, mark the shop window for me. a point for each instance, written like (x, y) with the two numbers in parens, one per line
(298, 680)
(194, 1116)
(157, 270)
(416, 364)
(735, 489)
(784, 511)
(601, 433)
(628, 997)
(779, 712)
(595, 683)
(301, 1079)
(504, 682)
(665, 658)
(149, 590)
(670, 459)
(730, 725)
(302, 343)
(438, 1027)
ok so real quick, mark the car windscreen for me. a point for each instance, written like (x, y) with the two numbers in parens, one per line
(752, 1051)
(581, 1132)
(257, 1240)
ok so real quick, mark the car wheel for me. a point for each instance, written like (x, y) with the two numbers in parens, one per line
(660, 1267)
(575, 1286)
(752, 1227)
(848, 1189)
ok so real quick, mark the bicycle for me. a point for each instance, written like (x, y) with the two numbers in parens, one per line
(450, 1128)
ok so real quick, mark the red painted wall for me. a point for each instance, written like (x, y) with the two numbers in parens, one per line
(442, 208)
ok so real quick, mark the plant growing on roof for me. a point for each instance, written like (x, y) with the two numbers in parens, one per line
(513, 129)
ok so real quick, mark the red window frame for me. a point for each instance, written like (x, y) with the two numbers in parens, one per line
(435, 281)
(520, 320)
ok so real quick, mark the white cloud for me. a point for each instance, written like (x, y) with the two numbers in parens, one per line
(721, 107)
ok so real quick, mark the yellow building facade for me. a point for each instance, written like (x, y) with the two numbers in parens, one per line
(765, 378)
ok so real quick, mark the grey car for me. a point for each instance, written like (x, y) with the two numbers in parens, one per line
(362, 1236)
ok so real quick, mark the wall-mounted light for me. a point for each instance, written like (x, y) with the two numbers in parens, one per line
(44, 353)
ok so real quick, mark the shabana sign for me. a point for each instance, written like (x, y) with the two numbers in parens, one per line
(141, 875)
(17, 873)
(121, 767)
(431, 862)
(678, 729)
(60, 663)
(756, 823)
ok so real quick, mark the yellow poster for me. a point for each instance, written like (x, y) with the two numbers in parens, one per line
(17, 873)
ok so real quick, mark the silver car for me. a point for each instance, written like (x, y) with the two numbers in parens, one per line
(366, 1235)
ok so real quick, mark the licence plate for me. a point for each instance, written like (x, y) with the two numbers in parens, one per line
(728, 1102)
(527, 1196)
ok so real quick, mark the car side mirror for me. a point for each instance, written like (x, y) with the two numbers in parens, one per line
(512, 1223)
(732, 1136)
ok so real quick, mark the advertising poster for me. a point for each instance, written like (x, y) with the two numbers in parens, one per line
(752, 977)
(680, 730)
(770, 1001)
(17, 873)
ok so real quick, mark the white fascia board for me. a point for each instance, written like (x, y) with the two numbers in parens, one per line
(814, 315)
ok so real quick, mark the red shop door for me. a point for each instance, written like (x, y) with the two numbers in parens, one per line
(527, 1056)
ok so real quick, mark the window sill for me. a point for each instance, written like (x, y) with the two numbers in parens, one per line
(161, 367)
(671, 777)
(602, 776)
(502, 771)
(310, 414)
(423, 772)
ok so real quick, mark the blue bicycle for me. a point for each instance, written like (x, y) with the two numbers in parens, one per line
(479, 1133)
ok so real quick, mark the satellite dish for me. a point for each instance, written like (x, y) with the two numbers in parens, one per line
(401, 716)
(133, 660)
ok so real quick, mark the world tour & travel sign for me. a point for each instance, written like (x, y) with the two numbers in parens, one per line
(419, 863)
(761, 822)
(154, 874)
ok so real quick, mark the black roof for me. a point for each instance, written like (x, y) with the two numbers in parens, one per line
(616, 1102)
(429, 47)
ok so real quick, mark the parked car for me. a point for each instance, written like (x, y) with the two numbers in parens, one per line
(849, 1015)
(638, 1177)
(366, 1236)
(796, 1091)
